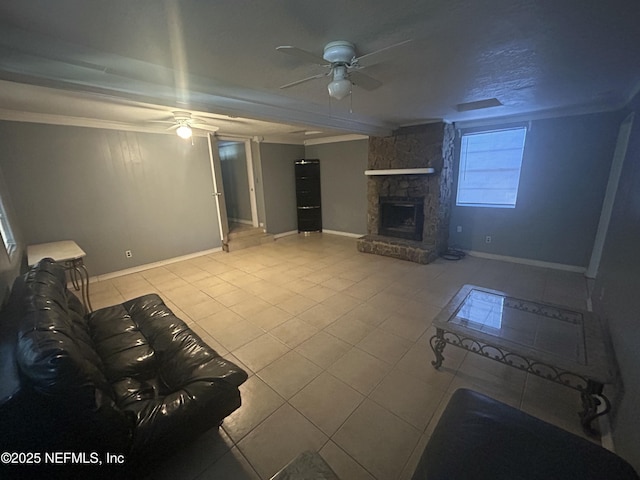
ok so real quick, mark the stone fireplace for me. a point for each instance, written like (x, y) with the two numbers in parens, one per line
(408, 209)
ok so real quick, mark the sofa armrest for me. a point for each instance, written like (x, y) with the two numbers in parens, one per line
(189, 359)
(166, 422)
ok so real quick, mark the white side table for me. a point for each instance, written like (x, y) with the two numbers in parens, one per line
(69, 253)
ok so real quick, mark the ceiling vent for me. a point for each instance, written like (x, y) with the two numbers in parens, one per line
(478, 105)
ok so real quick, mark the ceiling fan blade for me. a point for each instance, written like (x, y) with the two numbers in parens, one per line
(302, 54)
(378, 56)
(298, 82)
(224, 119)
(364, 81)
(173, 127)
(205, 126)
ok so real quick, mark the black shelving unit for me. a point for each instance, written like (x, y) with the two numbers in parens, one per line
(308, 195)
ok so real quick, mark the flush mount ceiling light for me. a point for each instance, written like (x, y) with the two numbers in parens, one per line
(184, 131)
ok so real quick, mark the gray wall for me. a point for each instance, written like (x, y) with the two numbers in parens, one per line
(279, 186)
(233, 161)
(110, 191)
(616, 298)
(562, 184)
(343, 184)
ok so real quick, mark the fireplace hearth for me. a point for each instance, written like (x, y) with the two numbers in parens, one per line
(401, 217)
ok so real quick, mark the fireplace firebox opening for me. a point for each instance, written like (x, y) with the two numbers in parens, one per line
(401, 217)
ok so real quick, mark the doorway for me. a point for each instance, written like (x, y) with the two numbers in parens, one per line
(233, 179)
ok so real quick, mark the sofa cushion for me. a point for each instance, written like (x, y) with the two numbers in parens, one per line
(123, 348)
(180, 353)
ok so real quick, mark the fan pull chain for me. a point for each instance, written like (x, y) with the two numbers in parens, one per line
(351, 100)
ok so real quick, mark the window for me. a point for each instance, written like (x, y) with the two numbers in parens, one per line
(490, 164)
(5, 230)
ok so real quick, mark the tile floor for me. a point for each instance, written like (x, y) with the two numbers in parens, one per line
(336, 346)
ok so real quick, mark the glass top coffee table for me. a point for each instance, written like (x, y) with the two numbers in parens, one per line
(569, 347)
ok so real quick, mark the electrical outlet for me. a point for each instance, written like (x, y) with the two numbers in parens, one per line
(128, 254)
(459, 229)
(487, 239)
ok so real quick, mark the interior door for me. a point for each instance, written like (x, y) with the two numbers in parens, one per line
(252, 183)
(218, 190)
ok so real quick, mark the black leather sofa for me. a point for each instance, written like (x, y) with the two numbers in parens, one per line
(130, 380)
(479, 438)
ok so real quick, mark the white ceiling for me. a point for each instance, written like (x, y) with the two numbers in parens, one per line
(128, 64)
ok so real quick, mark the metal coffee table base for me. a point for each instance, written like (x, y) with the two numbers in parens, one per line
(591, 392)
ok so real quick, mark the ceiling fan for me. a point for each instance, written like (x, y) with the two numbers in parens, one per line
(184, 124)
(343, 64)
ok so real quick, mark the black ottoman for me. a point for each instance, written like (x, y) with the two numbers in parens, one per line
(479, 438)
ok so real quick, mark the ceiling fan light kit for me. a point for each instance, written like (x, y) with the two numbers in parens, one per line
(340, 87)
(184, 131)
(184, 124)
(343, 64)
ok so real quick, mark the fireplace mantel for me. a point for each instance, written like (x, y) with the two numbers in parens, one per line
(401, 171)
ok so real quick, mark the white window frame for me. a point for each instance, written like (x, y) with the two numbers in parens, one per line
(463, 168)
(6, 231)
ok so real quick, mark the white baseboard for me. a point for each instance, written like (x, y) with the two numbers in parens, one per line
(528, 261)
(147, 266)
(240, 220)
(344, 234)
(284, 234)
(330, 232)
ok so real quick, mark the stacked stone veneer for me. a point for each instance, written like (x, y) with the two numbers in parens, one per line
(421, 146)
